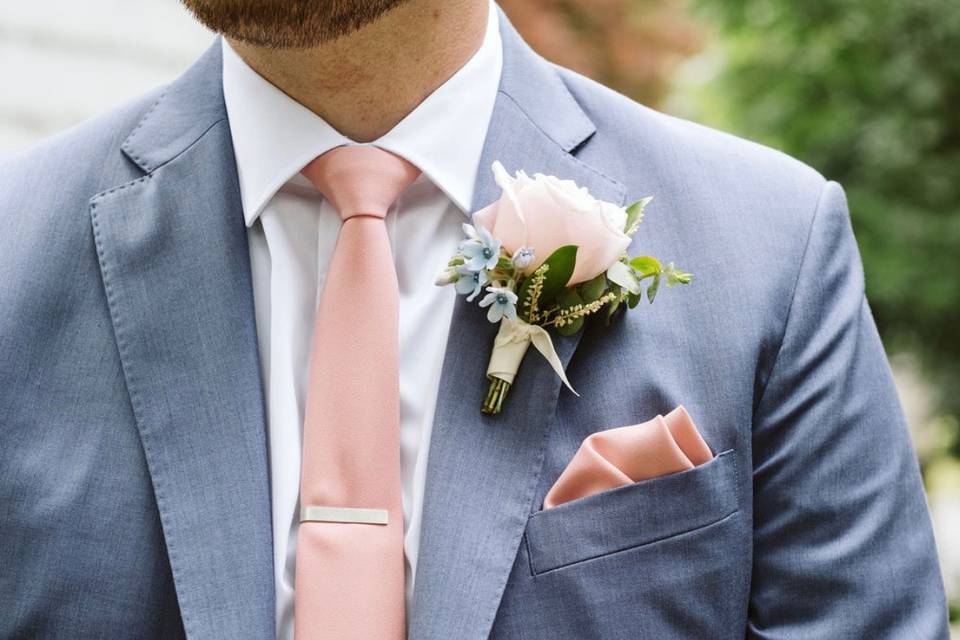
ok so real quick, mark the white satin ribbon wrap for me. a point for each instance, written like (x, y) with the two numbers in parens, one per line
(511, 344)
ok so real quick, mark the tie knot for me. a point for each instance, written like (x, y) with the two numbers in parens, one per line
(360, 180)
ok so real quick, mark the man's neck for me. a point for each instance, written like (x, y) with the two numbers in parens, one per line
(364, 83)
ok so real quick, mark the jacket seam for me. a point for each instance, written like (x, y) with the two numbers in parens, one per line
(96, 198)
(126, 146)
(645, 543)
(793, 294)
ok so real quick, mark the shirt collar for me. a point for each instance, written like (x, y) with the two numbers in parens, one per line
(274, 136)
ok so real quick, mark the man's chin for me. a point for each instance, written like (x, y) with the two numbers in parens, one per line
(287, 24)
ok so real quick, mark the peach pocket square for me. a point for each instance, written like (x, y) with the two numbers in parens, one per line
(617, 457)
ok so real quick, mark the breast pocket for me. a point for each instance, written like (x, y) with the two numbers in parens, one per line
(632, 515)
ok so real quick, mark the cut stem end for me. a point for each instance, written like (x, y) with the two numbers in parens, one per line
(496, 394)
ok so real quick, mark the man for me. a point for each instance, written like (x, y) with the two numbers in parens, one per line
(193, 357)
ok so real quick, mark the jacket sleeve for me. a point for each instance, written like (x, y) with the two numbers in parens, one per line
(843, 543)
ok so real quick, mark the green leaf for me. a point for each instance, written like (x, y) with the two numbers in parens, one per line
(635, 215)
(612, 306)
(612, 309)
(560, 265)
(569, 298)
(634, 299)
(646, 265)
(592, 289)
(653, 288)
(676, 276)
(572, 328)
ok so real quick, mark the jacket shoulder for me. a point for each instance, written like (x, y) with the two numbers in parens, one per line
(630, 136)
(739, 215)
(74, 164)
(722, 197)
(45, 194)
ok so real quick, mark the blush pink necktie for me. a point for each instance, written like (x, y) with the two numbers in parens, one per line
(350, 566)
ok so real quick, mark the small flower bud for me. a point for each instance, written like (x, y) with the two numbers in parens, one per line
(447, 276)
(523, 258)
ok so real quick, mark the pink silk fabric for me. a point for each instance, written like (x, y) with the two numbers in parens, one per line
(617, 457)
(350, 576)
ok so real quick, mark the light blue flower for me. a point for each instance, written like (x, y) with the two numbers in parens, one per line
(523, 258)
(502, 303)
(481, 252)
(470, 282)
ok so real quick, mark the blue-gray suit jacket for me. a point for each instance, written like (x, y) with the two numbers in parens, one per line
(134, 486)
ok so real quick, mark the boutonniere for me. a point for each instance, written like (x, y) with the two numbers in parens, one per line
(543, 257)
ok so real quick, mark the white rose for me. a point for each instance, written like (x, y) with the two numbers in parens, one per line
(545, 213)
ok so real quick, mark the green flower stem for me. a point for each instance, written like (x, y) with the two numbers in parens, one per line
(496, 394)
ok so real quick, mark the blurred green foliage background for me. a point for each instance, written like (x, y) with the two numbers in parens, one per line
(865, 91)
(869, 94)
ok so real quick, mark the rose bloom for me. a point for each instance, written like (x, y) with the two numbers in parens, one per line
(546, 213)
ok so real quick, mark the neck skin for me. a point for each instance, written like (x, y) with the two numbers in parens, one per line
(364, 83)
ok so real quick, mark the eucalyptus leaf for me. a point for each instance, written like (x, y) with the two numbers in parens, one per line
(624, 276)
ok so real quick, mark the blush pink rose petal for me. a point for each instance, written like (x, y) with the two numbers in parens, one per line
(545, 213)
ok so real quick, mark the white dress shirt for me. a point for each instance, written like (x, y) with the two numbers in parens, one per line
(292, 231)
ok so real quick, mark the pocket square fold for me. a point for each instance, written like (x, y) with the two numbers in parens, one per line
(617, 457)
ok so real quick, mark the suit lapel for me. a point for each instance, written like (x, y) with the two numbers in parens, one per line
(173, 256)
(483, 470)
